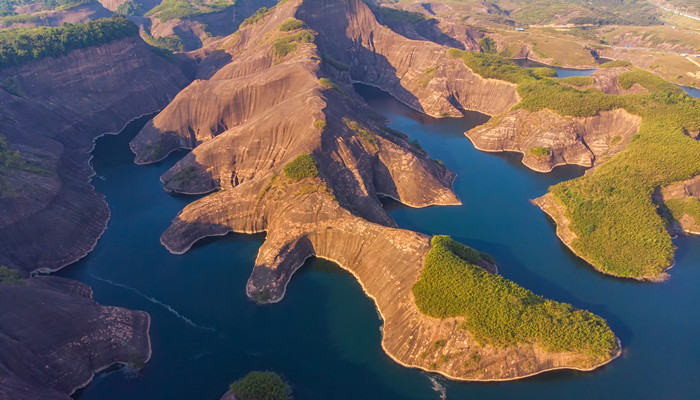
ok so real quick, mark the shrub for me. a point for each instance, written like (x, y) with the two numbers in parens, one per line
(287, 44)
(130, 7)
(304, 166)
(540, 152)
(366, 137)
(10, 276)
(291, 24)
(497, 311)
(488, 45)
(320, 124)
(615, 63)
(179, 9)
(257, 15)
(578, 81)
(544, 72)
(259, 385)
(340, 66)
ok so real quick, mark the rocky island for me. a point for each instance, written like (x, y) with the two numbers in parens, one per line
(280, 142)
(312, 181)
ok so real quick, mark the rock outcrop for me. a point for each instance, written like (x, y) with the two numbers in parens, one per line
(54, 338)
(254, 112)
(547, 139)
(684, 192)
(52, 115)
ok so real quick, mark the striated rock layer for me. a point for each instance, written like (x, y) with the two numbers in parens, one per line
(560, 139)
(58, 106)
(253, 112)
(54, 338)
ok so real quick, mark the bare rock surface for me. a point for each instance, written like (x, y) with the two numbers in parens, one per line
(54, 338)
(547, 139)
(684, 190)
(52, 217)
(252, 113)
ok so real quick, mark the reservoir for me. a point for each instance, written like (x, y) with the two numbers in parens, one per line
(324, 336)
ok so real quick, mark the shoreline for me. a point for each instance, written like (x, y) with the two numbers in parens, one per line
(417, 367)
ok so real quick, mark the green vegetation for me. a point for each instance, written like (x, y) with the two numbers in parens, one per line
(179, 9)
(13, 160)
(10, 276)
(304, 166)
(394, 132)
(615, 64)
(287, 44)
(611, 211)
(541, 152)
(367, 138)
(21, 45)
(320, 124)
(130, 7)
(544, 72)
(488, 45)
(7, 7)
(21, 18)
(257, 15)
(584, 12)
(291, 24)
(183, 177)
(578, 81)
(391, 16)
(681, 207)
(170, 43)
(497, 311)
(259, 385)
(340, 66)
(329, 84)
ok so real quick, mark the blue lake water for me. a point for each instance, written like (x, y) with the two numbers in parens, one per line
(695, 92)
(324, 337)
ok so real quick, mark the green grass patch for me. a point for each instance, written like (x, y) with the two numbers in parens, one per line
(257, 16)
(259, 385)
(291, 24)
(615, 63)
(287, 44)
(611, 211)
(10, 276)
(544, 72)
(497, 311)
(366, 137)
(578, 81)
(180, 9)
(304, 166)
(22, 45)
(540, 152)
(340, 66)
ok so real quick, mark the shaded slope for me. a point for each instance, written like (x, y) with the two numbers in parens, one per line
(254, 113)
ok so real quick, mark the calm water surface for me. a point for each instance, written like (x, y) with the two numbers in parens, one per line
(324, 336)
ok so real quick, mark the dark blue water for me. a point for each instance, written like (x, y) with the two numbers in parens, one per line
(324, 336)
(695, 92)
(561, 72)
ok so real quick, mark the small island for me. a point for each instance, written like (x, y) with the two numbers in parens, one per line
(258, 385)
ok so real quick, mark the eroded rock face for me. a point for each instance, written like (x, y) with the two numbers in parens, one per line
(252, 113)
(683, 191)
(52, 217)
(54, 338)
(606, 80)
(547, 139)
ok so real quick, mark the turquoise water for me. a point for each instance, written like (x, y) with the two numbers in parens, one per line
(324, 336)
(561, 72)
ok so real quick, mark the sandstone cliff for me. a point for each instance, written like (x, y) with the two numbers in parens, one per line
(547, 139)
(54, 338)
(52, 115)
(253, 112)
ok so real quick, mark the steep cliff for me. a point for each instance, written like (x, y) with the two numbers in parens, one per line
(51, 111)
(54, 338)
(547, 139)
(255, 116)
